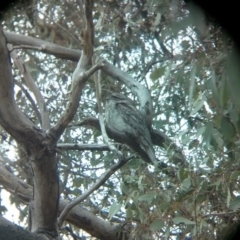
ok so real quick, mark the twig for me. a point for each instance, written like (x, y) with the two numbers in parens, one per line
(94, 187)
(28, 96)
(29, 47)
(83, 147)
(215, 214)
(64, 29)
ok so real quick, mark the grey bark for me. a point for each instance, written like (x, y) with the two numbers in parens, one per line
(42, 46)
(10, 231)
(39, 147)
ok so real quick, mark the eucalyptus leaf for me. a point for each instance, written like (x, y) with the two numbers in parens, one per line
(147, 197)
(227, 129)
(179, 220)
(115, 207)
(157, 73)
(186, 184)
(157, 225)
(235, 204)
(233, 76)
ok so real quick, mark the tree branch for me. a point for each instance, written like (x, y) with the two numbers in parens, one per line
(28, 96)
(80, 74)
(39, 147)
(138, 89)
(82, 147)
(9, 230)
(11, 118)
(95, 186)
(43, 46)
(80, 77)
(45, 120)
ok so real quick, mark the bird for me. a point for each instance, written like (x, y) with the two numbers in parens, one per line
(122, 116)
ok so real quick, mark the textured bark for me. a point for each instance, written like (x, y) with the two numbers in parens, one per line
(39, 147)
(43, 46)
(10, 231)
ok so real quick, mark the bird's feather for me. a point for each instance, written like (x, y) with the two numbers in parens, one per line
(122, 116)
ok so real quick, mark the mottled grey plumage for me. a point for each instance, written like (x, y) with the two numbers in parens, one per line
(122, 116)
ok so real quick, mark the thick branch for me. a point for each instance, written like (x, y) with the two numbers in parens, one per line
(43, 46)
(138, 89)
(83, 147)
(88, 34)
(9, 230)
(46, 191)
(15, 185)
(11, 118)
(38, 146)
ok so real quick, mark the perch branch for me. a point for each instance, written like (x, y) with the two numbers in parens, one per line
(158, 138)
(83, 147)
(94, 187)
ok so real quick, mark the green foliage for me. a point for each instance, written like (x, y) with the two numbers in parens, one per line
(194, 82)
(157, 73)
(157, 225)
(114, 209)
(178, 220)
